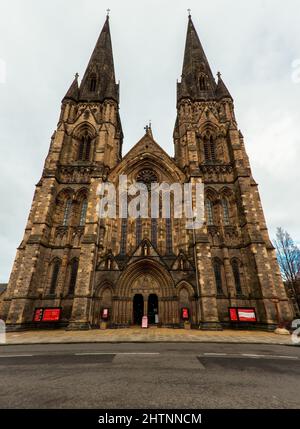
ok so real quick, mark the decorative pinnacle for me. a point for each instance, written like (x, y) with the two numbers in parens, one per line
(107, 12)
(76, 76)
(219, 75)
(147, 128)
(189, 13)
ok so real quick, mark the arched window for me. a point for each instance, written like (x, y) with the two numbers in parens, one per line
(54, 275)
(237, 276)
(209, 212)
(84, 148)
(209, 149)
(147, 176)
(67, 212)
(225, 208)
(73, 275)
(83, 212)
(81, 150)
(138, 231)
(169, 243)
(154, 231)
(218, 275)
(202, 83)
(93, 83)
(124, 225)
(87, 148)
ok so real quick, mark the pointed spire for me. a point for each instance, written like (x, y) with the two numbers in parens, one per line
(99, 80)
(73, 91)
(197, 81)
(222, 91)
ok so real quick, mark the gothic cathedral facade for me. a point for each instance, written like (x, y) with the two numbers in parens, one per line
(72, 259)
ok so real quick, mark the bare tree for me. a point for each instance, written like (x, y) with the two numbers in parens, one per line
(288, 255)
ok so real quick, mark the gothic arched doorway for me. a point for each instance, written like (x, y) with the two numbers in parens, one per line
(146, 277)
(152, 309)
(138, 309)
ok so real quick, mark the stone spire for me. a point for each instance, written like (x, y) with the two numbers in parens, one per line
(197, 80)
(99, 82)
(73, 91)
(222, 91)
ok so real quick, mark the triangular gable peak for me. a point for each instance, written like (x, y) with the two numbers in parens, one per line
(145, 249)
(108, 262)
(148, 152)
(182, 263)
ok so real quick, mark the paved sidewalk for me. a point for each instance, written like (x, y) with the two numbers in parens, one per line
(131, 335)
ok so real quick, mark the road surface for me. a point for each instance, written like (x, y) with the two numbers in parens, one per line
(150, 376)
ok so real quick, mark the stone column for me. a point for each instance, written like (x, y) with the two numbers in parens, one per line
(117, 316)
(169, 308)
(175, 311)
(123, 312)
(87, 262)
(130, 311)
(145, 305)
(161, 311)
(229, 277)
(207, 287)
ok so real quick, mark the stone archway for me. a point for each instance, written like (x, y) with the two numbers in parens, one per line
(186, 299)
(146, 278)
(102, 299)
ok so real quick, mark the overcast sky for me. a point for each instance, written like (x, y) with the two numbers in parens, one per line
(254, 44)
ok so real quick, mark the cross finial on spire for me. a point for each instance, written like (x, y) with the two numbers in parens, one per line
(219, 75)
(107, 12)
(189, 12)
(148, 127)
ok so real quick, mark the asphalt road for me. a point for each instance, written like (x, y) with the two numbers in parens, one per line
(149, 376)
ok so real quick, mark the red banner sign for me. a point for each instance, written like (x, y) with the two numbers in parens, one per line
(240, 314)
(38, 315)
(47, 314)
(105, 313)
(233, 315)
(51, 314)
(247, 315)
(185, 314)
